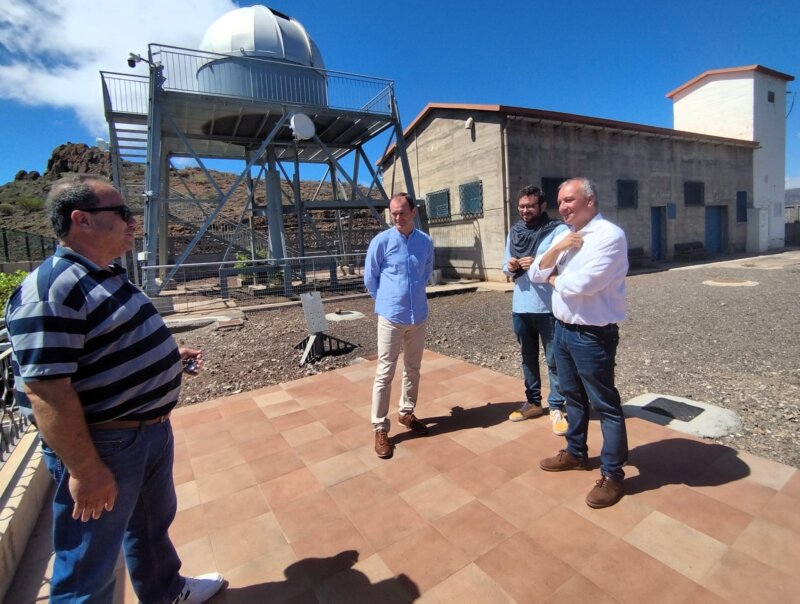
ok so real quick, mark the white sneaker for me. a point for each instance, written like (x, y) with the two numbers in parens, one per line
(199, 589)
(559, 421)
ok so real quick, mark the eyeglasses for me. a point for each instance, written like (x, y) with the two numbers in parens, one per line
(122, 211)
(523, 208)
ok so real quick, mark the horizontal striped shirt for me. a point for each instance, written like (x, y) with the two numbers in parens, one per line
(71, 318)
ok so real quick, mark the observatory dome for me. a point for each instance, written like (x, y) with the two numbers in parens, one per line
(259, 31)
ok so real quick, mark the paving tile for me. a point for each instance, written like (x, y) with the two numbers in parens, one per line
(792, 486)
(783, 510)
(425, 557)
(307, 515)
(388, 523)
(479, 476)
(225, 482)
(436, 497)
(305, 433)
(470, 584)
(338, 468)
(680, 547)
(216, 461)
(579, 589)
(244, 541)
(474, 529)
(565, 535)
(512, 501)
(290, 486)
(772, 544)
(706, 514)
(237, 507)
(335, 548)
(517, 557)
(403, 472)
(278, 464)
(264, 579)
(360, 492)
(739, 577)
(319, 450)
(652, 580)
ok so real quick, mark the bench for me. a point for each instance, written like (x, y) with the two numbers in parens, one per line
(636, 257)
(690, 251)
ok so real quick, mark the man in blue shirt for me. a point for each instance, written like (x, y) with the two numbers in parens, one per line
(398, 265)
(531, 311)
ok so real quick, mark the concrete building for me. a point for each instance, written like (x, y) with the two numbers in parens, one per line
(665, 187)
(747, 103)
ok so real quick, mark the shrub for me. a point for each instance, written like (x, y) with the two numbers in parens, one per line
(30, 204)
(8, 282)
(6, 209)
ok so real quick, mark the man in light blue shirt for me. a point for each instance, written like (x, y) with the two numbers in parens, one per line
(531, 311)
(398, 265)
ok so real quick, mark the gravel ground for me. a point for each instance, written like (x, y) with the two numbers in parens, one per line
(736, 347)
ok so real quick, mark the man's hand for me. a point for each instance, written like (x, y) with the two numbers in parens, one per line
(194, 355)
(572, 240)
(525, 263)
(94, 490)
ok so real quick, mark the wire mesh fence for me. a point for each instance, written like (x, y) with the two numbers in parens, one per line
(21, 246)
(209, 285)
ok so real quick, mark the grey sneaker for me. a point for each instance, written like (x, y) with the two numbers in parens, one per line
(527, 411)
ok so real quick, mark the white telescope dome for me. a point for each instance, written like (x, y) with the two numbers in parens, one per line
(258, 31)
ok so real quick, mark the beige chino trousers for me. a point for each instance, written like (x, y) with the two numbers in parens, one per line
(392, 338)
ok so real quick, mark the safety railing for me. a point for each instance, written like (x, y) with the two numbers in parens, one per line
(249, 77)
(255, 282)
(125, 93)
(12, 422)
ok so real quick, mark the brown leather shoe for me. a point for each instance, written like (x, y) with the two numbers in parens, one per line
(606, 492)
(562, 461)
(413, 424)
(383, 448)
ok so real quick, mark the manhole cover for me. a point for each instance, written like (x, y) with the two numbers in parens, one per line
(673, 409)
(730, 283)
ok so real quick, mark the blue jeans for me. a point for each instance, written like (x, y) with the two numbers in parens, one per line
(529, 329)
(585, 356)
(86, 552)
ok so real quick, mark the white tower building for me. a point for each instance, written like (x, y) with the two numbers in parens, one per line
(746, 103)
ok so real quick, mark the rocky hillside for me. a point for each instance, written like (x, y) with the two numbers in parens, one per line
(22, 200)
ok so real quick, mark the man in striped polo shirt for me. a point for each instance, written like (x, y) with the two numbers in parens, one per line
(98, 372)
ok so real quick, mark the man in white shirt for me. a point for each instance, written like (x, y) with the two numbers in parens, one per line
(587, 268)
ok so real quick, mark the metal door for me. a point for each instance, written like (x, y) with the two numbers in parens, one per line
(715, 233)
(658, 218)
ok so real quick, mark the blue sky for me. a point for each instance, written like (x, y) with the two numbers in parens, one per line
(610, 59)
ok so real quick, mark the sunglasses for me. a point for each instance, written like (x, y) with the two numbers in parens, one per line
(123, 211)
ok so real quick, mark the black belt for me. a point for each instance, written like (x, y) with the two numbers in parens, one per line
(586, 328)
(126, 424)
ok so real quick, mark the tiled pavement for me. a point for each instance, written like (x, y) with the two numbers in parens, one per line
(281, 491)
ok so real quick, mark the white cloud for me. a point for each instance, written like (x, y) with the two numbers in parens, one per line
(54, 49)
(792, 183)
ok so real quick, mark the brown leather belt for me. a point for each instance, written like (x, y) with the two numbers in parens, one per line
(127, 424)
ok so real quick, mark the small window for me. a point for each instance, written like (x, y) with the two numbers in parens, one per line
(627, 193)
(471, 198)
(672, 210)
(438, 204)
(770, 96)
(741, 206)
(550, 186)
(694, 193)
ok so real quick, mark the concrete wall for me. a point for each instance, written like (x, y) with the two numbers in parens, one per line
(720, 104)
(445, 155)
(659, 164)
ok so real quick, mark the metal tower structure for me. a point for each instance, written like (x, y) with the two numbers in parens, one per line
(276, 119)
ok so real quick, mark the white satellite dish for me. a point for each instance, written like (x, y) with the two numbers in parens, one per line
(302, 126)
